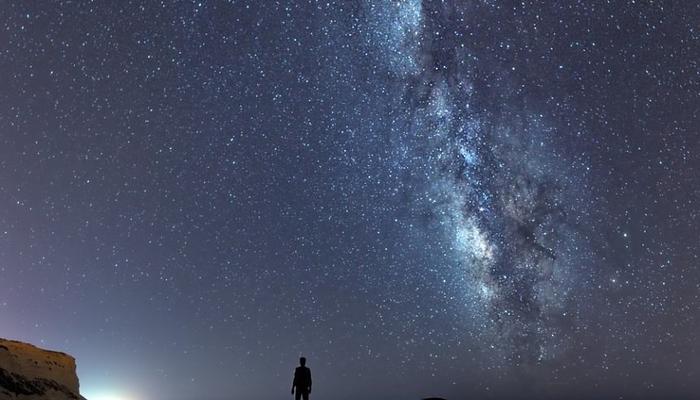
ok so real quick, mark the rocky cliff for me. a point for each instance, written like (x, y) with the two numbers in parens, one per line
(30, 373)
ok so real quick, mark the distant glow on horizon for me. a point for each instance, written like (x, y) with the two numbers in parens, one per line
(108, 395)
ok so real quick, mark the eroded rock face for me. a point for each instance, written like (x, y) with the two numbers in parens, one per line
(30, 373)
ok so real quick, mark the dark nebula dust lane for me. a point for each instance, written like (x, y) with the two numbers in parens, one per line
(483, 199)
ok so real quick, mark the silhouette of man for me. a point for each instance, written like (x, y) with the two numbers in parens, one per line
(302, 380)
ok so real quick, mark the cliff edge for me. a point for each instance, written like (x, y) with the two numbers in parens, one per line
(30, 373)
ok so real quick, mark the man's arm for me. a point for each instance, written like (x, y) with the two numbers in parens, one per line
(309, 380)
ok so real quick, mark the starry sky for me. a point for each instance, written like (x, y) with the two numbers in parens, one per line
(495, 199)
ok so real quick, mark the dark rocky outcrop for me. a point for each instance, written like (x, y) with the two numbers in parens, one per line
(30, 373)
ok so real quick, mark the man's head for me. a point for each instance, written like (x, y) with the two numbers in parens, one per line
(302, 361)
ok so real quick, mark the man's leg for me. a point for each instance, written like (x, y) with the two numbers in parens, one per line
(297, 394)
(305, 395)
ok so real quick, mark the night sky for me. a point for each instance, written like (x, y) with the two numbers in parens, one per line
(480, 198)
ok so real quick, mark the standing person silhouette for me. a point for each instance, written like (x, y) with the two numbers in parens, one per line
(302, 380)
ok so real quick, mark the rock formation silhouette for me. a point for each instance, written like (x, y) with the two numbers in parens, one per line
(30, 373)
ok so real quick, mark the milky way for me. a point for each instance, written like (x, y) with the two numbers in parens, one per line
(459, 198)
(498, 185)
